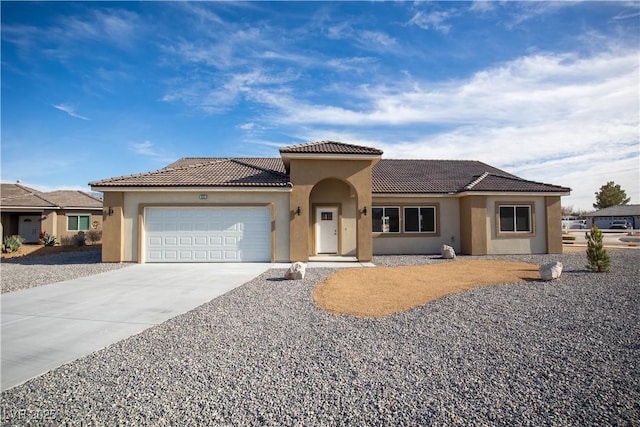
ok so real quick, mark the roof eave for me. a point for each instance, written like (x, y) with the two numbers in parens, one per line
(190, 188)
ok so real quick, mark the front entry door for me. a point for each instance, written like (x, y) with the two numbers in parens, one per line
(326, 230)
(29, 228)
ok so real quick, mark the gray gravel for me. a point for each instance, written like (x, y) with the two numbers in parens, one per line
(534, 353)
(27, 272)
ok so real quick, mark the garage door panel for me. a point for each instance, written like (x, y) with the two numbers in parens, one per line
(212, 234)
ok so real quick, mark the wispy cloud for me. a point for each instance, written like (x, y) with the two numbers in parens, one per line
(549, 117)
(436, 20)
(149, 149)
(70, 111)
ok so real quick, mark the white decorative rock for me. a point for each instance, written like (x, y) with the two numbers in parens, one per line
(296, 271)
(550, 271)
(447, 252)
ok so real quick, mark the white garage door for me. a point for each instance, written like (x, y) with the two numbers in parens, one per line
(220, 234)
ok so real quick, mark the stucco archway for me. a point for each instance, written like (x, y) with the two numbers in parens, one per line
(333, 202)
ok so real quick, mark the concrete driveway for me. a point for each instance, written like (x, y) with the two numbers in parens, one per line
(48, 326)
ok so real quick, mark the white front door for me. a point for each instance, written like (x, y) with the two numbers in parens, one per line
(326, 230)
(29, 228)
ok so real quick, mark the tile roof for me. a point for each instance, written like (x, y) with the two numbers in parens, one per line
(620, 210)
(17, 196)
(428, 176)
(72, 199)
(12, 190)
(207, 172)
(498, 183)
(330, 147)
(389, 176)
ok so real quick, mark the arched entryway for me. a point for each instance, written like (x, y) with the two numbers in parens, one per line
(333, 205)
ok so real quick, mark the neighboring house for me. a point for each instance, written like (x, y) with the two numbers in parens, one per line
(604, 217)
(28, 212)
(324, 198)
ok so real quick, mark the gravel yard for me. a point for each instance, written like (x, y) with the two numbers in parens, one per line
(29, 271)
(535, 353)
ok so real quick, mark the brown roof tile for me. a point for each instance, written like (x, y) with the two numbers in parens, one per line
(72, 199)
(427, 176)
(13, 190)
(201, 172)
(330, 147)
(498, 183)
(17, 196)
(390, 176)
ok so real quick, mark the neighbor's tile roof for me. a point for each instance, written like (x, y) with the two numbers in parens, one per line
(72, 199)
(207, 172)
(330, 147)
(16, 196)
(12, 190)
(620, 210)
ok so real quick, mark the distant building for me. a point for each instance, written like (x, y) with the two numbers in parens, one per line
(604, 217)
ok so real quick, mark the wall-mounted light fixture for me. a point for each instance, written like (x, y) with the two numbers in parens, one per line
(299, 211)
(364, 211)
(203, 197)
(109, 211)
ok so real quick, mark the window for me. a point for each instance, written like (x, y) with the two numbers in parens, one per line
(78, 222)
(386, 220)
(515, 219)
(420, 219)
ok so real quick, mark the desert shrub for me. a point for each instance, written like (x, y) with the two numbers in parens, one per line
(79, 239)
(66, 241)
(94, 235)
(597, 256)
(12, 243)
(49, 240)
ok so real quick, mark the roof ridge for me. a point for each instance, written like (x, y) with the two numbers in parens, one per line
(194, 165)
(271, 171)
(476, 181)
(40, 196)
(157, 171)
(288, 148)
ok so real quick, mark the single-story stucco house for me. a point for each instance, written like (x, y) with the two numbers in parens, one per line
(28, 212)
(603, 218)
(324, 198)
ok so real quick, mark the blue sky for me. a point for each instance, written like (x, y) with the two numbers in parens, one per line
(547, 91)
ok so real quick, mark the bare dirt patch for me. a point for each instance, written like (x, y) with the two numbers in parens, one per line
(381, 291)
(37, 250)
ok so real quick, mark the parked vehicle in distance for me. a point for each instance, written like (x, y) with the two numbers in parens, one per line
(619, 225)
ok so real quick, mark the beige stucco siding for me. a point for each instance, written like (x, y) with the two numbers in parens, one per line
(516, 244)
(133, 201)
(305, 174)
(61, 221)
(333, 192)
(447, 227)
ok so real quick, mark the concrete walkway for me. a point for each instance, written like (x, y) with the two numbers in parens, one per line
(48, 326)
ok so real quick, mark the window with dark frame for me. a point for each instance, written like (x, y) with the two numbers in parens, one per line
(78, 222)
(385, 219)
(515, 219)
(420, 219)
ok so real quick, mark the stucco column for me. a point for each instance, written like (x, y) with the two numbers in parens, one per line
(112, 222)
(364, 250)
(473, 225)
(299, 224)
(553, 207)
(50, 223)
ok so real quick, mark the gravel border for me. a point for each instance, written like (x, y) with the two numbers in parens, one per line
(560, 353)
(30, 271)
